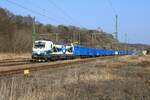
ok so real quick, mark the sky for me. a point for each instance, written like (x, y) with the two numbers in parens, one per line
(133, 15)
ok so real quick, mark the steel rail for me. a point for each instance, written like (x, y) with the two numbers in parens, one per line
(44, 66)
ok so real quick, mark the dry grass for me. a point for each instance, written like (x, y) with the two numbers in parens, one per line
(100, 80)
(9, 56)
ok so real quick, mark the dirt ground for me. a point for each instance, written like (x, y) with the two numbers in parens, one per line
(123, 78)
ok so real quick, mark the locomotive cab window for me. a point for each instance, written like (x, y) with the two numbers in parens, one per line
(39, 45)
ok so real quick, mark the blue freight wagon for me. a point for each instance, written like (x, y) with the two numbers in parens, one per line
(92, 52)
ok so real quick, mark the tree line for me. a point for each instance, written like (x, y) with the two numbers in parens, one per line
(16, 34)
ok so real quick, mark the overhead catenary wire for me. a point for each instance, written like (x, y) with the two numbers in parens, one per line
(112, 7)
(33, 11)
(64, 12)
(37, 6)
(43, 9)
(116, 19)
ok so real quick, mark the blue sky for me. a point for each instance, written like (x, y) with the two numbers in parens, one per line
(134, 16)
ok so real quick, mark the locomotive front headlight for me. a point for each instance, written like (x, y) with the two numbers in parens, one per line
(45, 53)
(38, 52)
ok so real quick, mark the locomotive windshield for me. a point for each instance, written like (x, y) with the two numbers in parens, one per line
(39, 45)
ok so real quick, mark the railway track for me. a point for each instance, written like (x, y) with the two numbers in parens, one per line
(31, 67)
(17, 62)
(13, 60)
(14, 63)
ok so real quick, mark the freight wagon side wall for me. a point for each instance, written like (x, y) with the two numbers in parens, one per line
(92, 52)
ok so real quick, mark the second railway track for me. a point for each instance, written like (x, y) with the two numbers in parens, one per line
(19, 69)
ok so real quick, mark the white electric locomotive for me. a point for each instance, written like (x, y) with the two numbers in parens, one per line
(47, 50)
